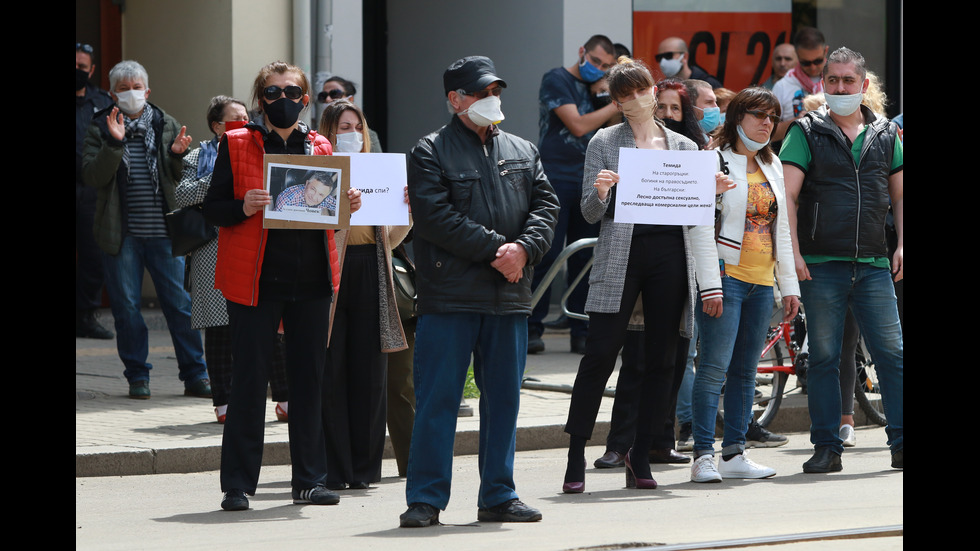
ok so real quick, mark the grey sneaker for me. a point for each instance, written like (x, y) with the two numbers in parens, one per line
(848, 436)
(758, 437)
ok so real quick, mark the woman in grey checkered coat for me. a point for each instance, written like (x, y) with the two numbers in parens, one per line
(635, 264)
(209, 310)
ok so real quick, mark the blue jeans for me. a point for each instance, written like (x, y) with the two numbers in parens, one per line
(730, 346)
(124, 282)
(443, 346)
(869, 292)
(685, 394)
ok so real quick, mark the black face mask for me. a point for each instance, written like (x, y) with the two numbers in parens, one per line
(598, 102)
(81, 79)
(283, 113)
(676, 126)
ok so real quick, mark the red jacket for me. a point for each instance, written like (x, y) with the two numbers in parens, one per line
(241, 247)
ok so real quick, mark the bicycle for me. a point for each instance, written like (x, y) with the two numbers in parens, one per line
(783, 355)
(787, 341)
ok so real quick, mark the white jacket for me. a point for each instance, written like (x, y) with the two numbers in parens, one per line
(729, 242)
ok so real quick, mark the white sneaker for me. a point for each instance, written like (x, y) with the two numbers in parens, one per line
(703, 470)
(741, 466)
(848, 436)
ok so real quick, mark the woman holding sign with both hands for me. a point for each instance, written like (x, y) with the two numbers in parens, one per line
(753, 245)
(365, 327)
(655, 261)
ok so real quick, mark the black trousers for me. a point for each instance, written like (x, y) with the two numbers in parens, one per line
(355, 380)
(657, 269)
(622, 426)
(254, 332)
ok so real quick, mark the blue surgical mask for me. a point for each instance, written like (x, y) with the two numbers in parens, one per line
(589, 72)
(711, 120)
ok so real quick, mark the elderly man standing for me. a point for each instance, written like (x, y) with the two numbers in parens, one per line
(843, 167)
(485, 214)
(132, 156)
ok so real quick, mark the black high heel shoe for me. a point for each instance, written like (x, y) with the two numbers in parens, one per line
(638, 483)
(574, 487)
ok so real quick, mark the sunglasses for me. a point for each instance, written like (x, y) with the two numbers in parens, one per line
(334, 94)
(762, 114)
(480, 94)
(79, 47)
(818, 61)
(665, 55)
(272, 93)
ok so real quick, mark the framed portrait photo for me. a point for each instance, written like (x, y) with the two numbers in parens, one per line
(308, 192)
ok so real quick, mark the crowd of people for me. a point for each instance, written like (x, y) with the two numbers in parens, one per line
(815, 221)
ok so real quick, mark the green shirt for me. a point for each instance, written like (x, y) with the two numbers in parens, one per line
(796, 151)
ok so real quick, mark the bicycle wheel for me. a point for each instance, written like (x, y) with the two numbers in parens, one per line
(775, 398)
(867, 391)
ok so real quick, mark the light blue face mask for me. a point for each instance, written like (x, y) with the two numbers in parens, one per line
(590, 73)
(749, 143)
(711, 120)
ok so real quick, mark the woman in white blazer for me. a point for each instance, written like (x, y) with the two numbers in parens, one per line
(736, 285)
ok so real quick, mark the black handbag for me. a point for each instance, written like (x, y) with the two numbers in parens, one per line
(189, 230)
(403, 272)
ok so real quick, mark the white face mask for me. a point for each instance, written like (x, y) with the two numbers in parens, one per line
(131, 102)
(671, 67)
(351, 142)
(485, 112)
(844, 105)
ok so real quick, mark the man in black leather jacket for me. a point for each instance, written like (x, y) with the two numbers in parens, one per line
(484, 215)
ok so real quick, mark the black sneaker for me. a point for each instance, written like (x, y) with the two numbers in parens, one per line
(200, 388)
(88, 327)
(758, 437)
(234, 500)
(317, 495)
(419, 515)
(534, 344)
(509, 511)
(898, 459)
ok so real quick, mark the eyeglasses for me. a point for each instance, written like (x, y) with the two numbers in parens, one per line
(805, 63)
(272, 93)
(665, 55)
(79, 47)
(481, 94)
(334, 94)
(762, 115)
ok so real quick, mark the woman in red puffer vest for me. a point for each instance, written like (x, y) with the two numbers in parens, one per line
(268, 276)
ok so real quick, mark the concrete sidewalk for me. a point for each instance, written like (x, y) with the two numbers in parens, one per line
(171, 433)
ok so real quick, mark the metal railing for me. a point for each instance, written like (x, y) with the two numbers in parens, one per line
(552, 273)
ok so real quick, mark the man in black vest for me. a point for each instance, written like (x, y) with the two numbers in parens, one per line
(843, 168)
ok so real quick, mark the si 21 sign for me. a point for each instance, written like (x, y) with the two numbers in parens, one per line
(736, 47)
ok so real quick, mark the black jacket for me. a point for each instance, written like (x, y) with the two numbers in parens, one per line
(469, 198)
(843, 206)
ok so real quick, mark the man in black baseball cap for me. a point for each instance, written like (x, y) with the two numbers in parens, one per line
(470, 74)
(484, 214)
